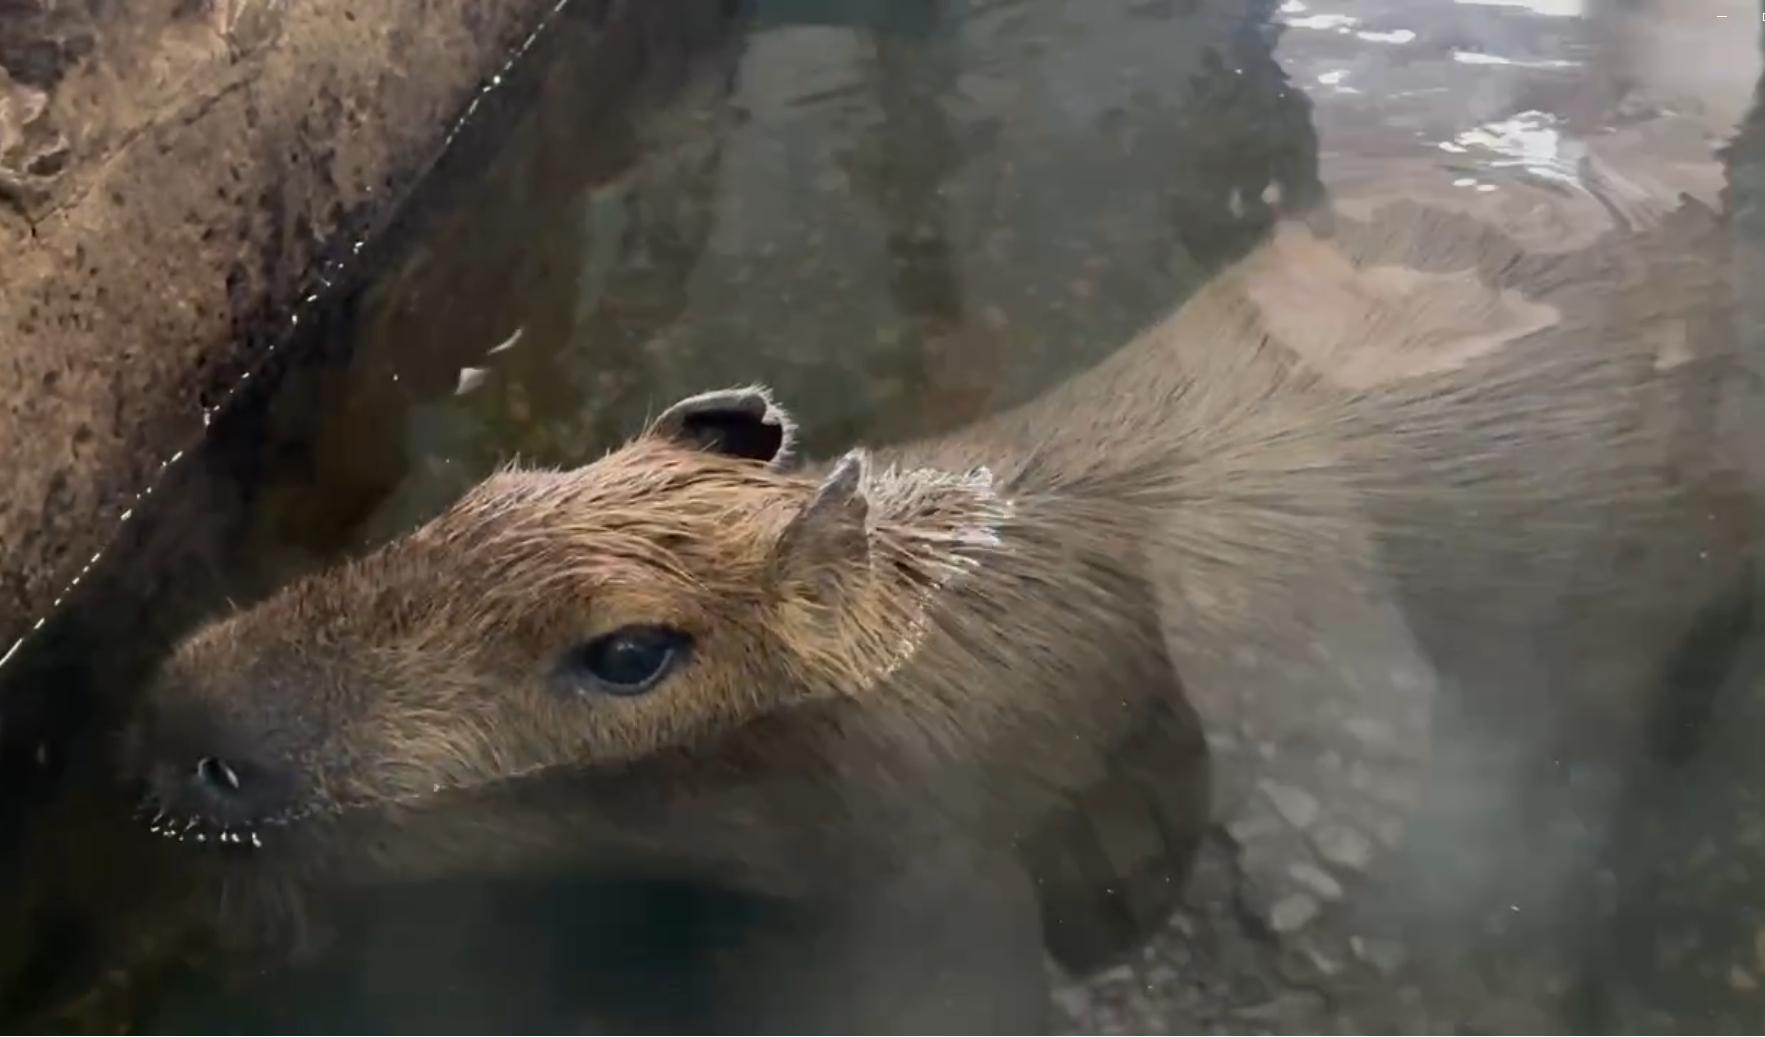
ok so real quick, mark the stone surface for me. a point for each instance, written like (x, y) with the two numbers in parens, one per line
(1343, 846)
(1316, 879)
(1297, 806)
(1291, 913)
(170, 172)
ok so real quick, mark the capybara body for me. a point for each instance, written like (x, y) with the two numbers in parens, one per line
(702, 658)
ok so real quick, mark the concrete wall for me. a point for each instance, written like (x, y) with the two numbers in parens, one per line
(173, 173)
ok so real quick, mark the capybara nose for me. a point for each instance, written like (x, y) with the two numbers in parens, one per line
(207, 769)
(226, 791)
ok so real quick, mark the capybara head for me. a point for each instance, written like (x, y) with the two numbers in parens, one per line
(561, 623)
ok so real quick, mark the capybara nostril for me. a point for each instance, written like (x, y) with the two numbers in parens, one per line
(219, 775)
(227, 790)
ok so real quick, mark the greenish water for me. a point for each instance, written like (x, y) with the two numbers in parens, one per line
(900, 215)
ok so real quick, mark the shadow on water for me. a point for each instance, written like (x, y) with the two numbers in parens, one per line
(899, 214)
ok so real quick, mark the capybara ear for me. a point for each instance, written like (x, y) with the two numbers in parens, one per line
(824, 551)
(741, 423)
(845, 632)
(857, 569)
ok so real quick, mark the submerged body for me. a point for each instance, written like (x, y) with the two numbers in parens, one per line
(698, 658)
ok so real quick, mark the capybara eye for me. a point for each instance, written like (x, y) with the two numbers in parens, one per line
(628, 661)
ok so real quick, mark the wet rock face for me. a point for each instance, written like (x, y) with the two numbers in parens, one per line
(170, 171)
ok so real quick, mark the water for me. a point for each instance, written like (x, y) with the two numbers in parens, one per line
(901, 216)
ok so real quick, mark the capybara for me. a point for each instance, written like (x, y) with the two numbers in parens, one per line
(704, 657)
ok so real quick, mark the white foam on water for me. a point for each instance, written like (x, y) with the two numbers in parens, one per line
(1548, 8)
